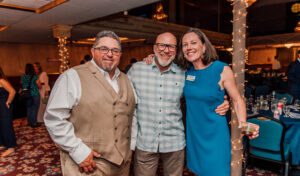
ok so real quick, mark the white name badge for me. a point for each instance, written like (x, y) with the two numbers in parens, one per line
(190, 78)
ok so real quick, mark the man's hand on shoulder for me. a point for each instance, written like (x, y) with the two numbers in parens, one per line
(89, 165)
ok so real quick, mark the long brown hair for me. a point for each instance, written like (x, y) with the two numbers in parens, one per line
(209, 56)
(2, 75)
(38, 65)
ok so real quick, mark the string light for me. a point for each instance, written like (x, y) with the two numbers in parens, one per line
(63, 54)
(239, 59)
(62, 32)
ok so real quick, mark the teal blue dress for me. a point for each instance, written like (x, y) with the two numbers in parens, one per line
(208, 141)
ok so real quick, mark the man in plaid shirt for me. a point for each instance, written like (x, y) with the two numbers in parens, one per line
(157, 129)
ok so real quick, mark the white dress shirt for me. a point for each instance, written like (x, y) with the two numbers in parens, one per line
(64, 96)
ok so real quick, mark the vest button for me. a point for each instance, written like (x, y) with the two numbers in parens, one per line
(116, 128)
(116, 140)
(115, 116)
(114, 103)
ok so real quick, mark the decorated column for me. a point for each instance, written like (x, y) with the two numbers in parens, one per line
(62, 33)
(238, 66)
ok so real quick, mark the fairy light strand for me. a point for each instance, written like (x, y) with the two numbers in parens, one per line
(240, 56)
(63, 54)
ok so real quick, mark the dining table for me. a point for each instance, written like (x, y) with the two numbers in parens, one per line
(291, 121)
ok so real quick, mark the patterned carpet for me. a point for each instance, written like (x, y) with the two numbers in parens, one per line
(37, 155)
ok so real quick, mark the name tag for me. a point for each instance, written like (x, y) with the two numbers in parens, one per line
(190, 78)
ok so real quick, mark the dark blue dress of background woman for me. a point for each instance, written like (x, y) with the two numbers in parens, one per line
(7, 133)
(208, 140)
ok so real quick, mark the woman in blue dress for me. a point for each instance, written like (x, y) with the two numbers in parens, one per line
(208, 139)
(7, 133)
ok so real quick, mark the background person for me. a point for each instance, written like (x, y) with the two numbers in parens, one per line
(276, 66)
(132, 61)
(86, 58)
(7, 133)
(208, 139)
(293, 75)
(43, 90)
(30, 80)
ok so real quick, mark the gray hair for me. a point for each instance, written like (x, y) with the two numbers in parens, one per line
(110, 34)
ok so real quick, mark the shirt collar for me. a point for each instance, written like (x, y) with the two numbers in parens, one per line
(173, 67)
(104, 73)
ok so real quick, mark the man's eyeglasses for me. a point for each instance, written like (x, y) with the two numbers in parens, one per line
(105, 50)
(162, 46)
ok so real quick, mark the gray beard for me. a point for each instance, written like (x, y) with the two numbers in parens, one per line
(162, 63)
(108, 70)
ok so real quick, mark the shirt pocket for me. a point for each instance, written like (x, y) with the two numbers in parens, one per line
(174, 91)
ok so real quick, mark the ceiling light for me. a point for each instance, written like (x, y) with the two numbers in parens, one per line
(2, 28)
(288, 45)
(229, 49)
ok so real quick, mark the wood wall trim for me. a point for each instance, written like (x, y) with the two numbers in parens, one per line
(137, 27)
(274, 39)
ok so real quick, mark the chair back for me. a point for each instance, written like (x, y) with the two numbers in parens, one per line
(261, 90)
(288, 96)
(248, 92)
(270, 140)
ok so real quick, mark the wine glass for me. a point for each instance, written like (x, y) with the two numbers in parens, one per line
(297, 103)
(273, 106)
(286, 111)
(255, 109)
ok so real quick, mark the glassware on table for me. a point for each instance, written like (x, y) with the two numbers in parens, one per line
(265, 105)
(248, 128)
(255, 109)
(297, 103)
(273, 106)
(250, 101)
(286, 110)
(268, 97)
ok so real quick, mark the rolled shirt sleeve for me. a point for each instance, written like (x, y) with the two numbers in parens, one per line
(64, 96)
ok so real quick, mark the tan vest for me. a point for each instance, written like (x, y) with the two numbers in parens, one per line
(102, 119)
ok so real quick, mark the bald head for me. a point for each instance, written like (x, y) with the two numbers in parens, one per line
(166, 37)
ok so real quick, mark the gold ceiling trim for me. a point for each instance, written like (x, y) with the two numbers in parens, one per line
(35, 10)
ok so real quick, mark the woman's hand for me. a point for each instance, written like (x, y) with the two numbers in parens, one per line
(149, 59)
(8, 104)
(249, 129)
